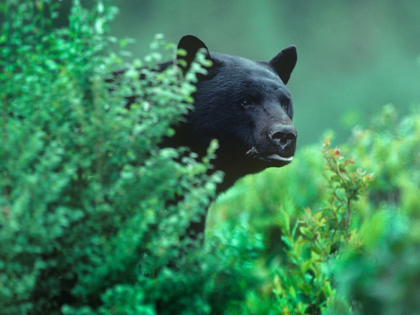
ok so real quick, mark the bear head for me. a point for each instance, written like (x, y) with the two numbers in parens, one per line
(246, 106)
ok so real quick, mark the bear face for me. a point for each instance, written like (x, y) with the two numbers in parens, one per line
(247, 107)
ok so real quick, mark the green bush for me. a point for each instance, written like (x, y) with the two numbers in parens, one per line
(91, 208)
(382, 276)
(345, 242)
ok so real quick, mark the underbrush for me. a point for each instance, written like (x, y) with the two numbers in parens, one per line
(340, 224)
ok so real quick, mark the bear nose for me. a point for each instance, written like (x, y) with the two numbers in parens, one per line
(284, 137)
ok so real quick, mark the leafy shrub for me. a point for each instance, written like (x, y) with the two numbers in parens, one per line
(304, 284)
(91, 214)
(345, 242)
(382, 276)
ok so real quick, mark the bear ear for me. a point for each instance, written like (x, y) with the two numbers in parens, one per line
(191, 45)
(284, 63)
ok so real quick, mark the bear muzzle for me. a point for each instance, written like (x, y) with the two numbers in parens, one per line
(277, 147)
(283, 137)
(274, 136)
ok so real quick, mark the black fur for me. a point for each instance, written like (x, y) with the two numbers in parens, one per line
(246, 106)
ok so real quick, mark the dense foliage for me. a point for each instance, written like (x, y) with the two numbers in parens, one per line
(347, 241)
(91, 214)
(93, 211)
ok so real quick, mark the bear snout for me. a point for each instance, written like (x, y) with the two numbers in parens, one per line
(284, 138)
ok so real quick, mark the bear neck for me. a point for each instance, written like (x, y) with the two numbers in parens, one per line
(233, 167)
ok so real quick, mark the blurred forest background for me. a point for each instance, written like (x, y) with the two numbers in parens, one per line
(353, 56)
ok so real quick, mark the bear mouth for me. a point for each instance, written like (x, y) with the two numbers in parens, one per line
(270, 158)
(278, 157)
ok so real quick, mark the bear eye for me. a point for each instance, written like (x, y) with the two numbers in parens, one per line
(245, 103)
(285, 103)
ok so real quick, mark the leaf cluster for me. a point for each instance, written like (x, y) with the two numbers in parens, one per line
(313, 242)
(93, 209)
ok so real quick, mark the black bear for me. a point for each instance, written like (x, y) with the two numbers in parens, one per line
(246, 106)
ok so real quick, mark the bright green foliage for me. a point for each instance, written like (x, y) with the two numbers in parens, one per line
(92, 209)
(348, 241)
(382, 276)
(304, 283)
